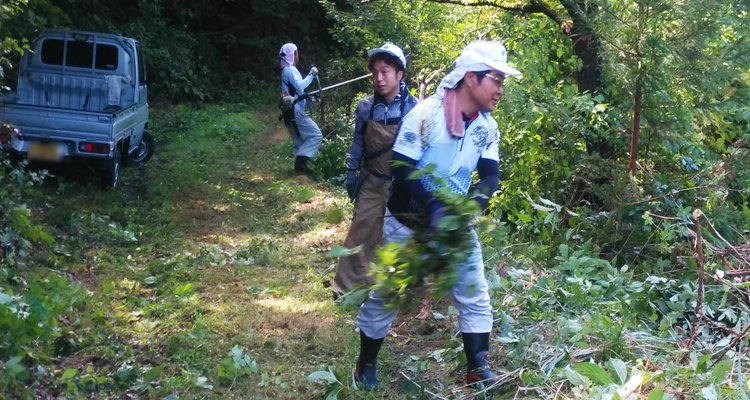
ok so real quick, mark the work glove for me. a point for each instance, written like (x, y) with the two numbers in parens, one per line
(287, 102)
(351, 184)
(436, 211)
(314, 71)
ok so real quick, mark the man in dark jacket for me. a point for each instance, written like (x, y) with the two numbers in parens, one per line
(377, 119)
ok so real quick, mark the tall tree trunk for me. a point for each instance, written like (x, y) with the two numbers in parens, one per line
(586, 48)
(585, 43)
(636, 128)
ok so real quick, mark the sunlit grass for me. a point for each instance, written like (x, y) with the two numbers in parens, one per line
(206, 198)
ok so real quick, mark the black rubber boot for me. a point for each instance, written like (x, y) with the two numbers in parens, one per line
(303, 165)
(476, 346)
(367, 362)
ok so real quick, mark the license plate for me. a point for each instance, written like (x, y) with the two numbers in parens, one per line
(45, 152)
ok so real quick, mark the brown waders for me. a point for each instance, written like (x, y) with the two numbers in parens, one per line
(373, 187)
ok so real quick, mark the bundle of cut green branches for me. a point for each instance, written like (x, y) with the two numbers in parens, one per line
(402, 270)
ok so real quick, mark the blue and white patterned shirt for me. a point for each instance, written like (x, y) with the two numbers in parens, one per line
(424, 137)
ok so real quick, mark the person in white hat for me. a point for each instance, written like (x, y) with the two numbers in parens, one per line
(453, 131)
(305, 133)
(376, 121)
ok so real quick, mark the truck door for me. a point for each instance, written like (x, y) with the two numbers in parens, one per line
(141, 86)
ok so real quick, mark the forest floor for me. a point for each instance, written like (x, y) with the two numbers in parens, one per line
(207, 274)
(213, 249)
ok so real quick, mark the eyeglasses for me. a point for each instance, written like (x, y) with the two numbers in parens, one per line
(499, 80)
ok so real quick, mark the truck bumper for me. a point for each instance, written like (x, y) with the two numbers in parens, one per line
(66, 148)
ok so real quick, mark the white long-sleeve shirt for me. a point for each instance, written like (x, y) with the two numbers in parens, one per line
(290, 76)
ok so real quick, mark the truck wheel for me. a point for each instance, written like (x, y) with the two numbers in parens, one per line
(144, 151)
(110, 174)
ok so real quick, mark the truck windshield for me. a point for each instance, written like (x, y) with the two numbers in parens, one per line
(80, 54)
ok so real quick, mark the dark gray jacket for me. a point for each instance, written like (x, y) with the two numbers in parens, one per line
(386, 114)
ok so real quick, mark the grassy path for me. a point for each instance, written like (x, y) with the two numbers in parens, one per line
(215, 246)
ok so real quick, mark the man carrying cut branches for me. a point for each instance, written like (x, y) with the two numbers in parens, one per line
(451, 134)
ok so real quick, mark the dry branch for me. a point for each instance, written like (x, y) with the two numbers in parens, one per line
(698, 314)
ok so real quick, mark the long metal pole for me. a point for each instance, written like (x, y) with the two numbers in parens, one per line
(339, 84)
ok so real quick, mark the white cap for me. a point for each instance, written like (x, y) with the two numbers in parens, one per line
(478, 56)
(391, 49)
(491, 54)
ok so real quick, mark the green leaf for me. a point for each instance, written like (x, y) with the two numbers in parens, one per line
(202, 382)
(16, 369)
(620, 369)
(710, 393)
(126, 374)
(183, 290)
(69, 373)
(4, 298)
(281, 368)
(461, 357)
(594, 372)
(355, 297)
(550, 203)
(327, 376)
(720, 370)
(343, 251)
(171, 397)
(542, 208)
(305, 195)
(564, 251)
(412, 388)
(270, 345)
(150, 280)
(523, 217)
(236, 353)
(437, 315)
(153, 374)
(416, 174)
(656, 394)
(701, 365)
(574, 377)
(335, 216)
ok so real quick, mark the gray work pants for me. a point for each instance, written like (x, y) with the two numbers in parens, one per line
(470, 294)
(307, 143)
